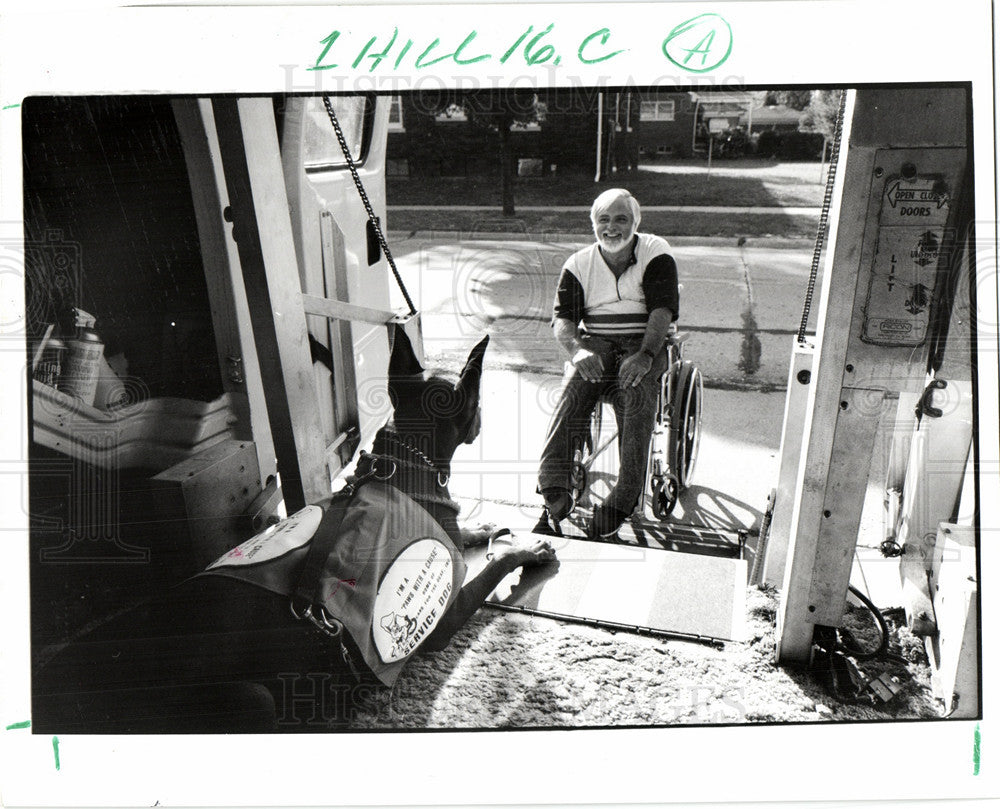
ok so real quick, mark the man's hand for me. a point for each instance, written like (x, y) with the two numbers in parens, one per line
(589, 364)
(633, 368)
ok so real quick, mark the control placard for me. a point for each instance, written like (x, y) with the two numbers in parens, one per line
(911, 242)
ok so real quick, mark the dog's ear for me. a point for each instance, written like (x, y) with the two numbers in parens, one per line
(403, 361)
(468, 383)
(405, 370)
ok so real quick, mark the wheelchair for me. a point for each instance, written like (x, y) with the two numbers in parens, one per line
(674, 442)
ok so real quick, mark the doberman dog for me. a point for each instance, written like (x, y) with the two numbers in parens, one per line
(219, 655)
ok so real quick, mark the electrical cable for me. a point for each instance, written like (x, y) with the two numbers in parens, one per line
(861, 654)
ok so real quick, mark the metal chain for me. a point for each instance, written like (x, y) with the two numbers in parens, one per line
(406, 445)
(823, 217)
(365, 201)
(442, 478)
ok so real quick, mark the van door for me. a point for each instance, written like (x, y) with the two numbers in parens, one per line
(336, 255)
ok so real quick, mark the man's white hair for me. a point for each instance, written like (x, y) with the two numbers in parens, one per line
(612, 195)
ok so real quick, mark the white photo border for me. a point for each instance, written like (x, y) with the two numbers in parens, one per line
(250, 49)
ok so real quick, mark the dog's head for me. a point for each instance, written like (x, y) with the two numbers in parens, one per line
(429, 411)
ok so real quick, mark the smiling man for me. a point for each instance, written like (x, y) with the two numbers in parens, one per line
(614, 307)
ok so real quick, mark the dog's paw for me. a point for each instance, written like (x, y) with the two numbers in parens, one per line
(538, 552)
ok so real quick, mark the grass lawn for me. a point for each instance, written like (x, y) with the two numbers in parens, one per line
(663, 224)
(681, 182)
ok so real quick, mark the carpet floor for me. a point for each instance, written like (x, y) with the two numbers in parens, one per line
(511, 670)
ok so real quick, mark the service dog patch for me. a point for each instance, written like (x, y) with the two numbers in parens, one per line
(291, 533)
(411, 598)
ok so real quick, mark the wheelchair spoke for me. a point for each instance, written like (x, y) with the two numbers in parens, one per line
(686, 424)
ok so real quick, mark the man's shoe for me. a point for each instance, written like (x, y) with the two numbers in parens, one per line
(606, 522)
(547, 526)
(558, 504)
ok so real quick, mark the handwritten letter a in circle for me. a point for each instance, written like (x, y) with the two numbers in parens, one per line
(699, 44)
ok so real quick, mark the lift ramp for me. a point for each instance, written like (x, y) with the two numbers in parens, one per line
(628, 588)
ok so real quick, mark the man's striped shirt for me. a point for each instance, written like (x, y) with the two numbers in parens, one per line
(589, 293)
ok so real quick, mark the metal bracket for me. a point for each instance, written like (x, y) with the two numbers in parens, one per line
(924, 406)
(261, 512)
(341, 310)
(884, 687)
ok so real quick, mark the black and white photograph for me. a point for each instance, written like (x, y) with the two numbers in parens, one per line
(656, 404)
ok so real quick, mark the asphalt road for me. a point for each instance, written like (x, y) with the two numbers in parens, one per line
(466, 287)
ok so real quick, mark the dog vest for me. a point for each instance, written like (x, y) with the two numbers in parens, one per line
(615, 306)
(386, 570)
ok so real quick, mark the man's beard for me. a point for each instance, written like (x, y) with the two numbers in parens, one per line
(616, 245)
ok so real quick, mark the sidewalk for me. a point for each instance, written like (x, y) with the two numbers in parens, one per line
(585, 209)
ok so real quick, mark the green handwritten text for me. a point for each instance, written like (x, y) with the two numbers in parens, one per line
(604, 34)
(531, 47)
(700, 44)
(328, 42)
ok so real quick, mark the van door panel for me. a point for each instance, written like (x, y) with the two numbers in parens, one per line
(333, 255)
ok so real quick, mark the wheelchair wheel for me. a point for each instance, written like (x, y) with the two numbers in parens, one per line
(665, 491)
(685, 423)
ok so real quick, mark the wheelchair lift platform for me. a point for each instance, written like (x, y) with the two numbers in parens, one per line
(628, 588)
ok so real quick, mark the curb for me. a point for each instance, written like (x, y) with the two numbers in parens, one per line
(770, 242)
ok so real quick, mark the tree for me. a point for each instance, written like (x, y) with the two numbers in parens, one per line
(569, 126)
(494, 112)
(497, 111)
(793, 99)
(820, 115)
